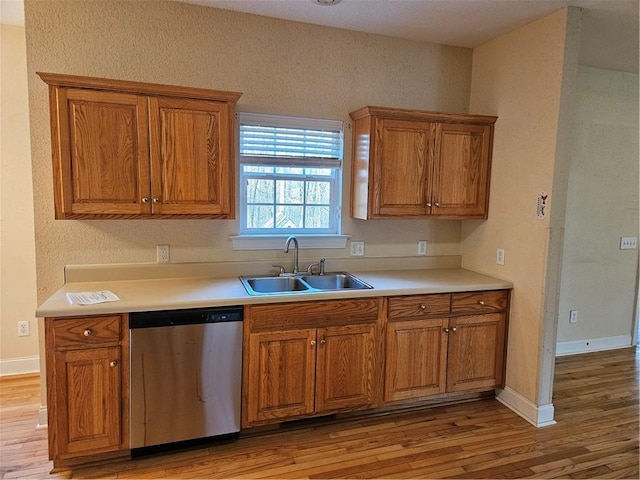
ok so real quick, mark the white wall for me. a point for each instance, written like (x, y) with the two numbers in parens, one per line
(522, 77)
(17, 250)
(599, 279)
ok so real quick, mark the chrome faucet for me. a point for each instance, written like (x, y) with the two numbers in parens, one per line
(320, 266)
(296, 269)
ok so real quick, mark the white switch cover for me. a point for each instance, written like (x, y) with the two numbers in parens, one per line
(573, 316)
(162, 253)
(23, 328)
(500, 256)
(357, 249)
(628, 243)
(422, 247)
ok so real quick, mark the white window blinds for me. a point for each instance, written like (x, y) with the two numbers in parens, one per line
(277, 140)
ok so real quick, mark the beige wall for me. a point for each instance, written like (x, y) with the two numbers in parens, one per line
(281, 67)
(17, 251)
(520, 77)
(599, 279)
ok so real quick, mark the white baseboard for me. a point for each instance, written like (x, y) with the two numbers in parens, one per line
(592, 345)
(19, 366)
(536, 415)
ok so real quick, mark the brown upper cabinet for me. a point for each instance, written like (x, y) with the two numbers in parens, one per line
(418, 164)
(139, 150)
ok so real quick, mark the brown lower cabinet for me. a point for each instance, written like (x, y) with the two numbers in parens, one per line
(87, 387)
(445, 343)
(301, 359)
(310, 358)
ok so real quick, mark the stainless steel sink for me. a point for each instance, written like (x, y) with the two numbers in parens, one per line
(270, 285)
(335, 281)
(266, 285)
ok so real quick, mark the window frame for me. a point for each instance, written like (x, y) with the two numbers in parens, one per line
(332, 160)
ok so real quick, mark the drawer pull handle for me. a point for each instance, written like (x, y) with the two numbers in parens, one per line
(323, 341)
(481, 302)
(113, 363)
(87, 332)
(313, 342)
(423, 307)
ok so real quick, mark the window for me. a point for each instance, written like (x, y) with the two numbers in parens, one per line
(290, 175)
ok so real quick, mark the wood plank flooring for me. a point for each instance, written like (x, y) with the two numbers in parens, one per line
(596, 436)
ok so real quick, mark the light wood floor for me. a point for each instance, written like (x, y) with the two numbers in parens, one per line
(596, 436)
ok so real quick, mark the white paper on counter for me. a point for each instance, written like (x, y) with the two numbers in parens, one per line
(91, 298)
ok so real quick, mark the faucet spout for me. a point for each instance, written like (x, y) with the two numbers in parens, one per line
(293, 239)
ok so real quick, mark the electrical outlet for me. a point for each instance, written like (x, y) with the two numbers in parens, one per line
(162, 253)
(23, 328)
(357, 249)
(500, 256)
(573, 316)
(628, 243)
(422, 247)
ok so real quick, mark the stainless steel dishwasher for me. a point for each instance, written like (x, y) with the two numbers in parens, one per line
(186, 369)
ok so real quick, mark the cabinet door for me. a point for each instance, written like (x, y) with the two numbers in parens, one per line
(101, 158)
(87, 405)
(191, 155)
(476, 352)
(461, 171)
(281, 375)
(416, 359)
(346, 371)
(403, 155)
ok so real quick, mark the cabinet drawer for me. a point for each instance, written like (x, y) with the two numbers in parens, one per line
(323, 313)
(84, 332)
(479, 302)
(418, 306)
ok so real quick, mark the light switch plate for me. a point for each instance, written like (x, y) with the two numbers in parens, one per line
(422, 247)
(357, 249)
(628, 243)
(162, 253)
(573, 316)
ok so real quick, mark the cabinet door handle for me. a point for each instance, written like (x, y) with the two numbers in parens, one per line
(437, 204)
(428, 204)
(423, 307)
(145, 200)
(446, 330)
(481, 302)
(313, 342)
(323, 341)
(113, 363)
(454, 329)
(87, 332)
(156, 200)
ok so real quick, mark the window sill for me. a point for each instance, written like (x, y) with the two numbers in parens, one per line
(276, 242)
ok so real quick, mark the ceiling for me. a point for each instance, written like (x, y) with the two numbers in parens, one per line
(609, 27)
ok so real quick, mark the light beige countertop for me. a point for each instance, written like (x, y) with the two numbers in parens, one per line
(137, 295)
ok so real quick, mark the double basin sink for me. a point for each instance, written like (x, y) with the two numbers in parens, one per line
(303, 283)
